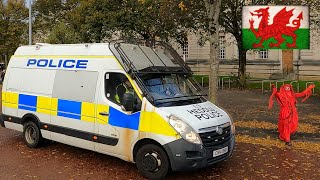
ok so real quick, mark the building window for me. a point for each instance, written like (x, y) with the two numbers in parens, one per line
(185, 50)
(263, 54)
(222, 51)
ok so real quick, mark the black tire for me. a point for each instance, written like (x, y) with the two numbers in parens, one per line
(32, 135)
(152, 162)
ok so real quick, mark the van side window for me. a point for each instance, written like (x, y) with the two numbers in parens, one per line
(116, 85)
(75, 85)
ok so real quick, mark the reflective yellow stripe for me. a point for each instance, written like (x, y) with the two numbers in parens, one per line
(48, 105)
(119, 63)
(149, 121)
(44, 105)
(102, 119)
(54, 106)
(152, 122)
(12, 99)
(87, 112)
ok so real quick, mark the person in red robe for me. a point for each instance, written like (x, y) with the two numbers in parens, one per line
(288, 116)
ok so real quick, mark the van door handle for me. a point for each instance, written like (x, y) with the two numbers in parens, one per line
(104, 113)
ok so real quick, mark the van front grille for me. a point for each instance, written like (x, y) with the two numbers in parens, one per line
(213, 138)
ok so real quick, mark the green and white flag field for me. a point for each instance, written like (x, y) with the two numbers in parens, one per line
(275, 27)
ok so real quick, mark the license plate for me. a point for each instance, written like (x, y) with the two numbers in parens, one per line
(219, 152)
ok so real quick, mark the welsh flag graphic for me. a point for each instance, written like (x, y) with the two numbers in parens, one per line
(275, 27)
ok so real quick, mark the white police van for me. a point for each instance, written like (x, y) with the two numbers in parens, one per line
(124, 100)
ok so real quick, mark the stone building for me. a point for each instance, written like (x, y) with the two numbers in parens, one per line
(261, 64)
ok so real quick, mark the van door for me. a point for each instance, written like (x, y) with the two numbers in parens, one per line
(74, 114)
(122, 126)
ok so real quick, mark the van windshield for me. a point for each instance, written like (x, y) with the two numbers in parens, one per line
(172, 90)
(161, 73)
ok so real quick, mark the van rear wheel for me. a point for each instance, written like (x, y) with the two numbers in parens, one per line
(152, 162)
(32, 135)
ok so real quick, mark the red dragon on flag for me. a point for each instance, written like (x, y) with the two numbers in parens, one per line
(281, 26)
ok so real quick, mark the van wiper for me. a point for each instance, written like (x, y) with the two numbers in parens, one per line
(179, 98)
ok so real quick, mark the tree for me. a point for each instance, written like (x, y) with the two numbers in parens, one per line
(88, 18)
(314, 12)
(231, 20)
(213, 11)
(62, 33)
(49, 15)
(97, 20)
(48, 12)
(13, 26)
(163, 20)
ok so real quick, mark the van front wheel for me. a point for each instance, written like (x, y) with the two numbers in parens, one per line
(32, 135)
(152, 162)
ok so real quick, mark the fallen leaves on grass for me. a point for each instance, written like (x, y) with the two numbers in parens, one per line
(308, 128)
(268, 142)
(255, 124)
(302, 127)
(312, 117)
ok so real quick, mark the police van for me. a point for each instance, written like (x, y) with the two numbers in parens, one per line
(125, 100)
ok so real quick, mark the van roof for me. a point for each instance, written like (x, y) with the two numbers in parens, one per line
(92, 49)
(132, 57)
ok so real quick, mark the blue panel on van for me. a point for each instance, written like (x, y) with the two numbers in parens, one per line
(27, 108)
(117, 118)
(28, 100)
(67, 115)
(69, 107)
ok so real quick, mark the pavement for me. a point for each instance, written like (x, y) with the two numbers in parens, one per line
(258, 152)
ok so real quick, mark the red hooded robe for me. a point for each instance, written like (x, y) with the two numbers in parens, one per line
(288, 116)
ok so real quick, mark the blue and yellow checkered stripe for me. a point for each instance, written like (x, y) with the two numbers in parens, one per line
(83, 111)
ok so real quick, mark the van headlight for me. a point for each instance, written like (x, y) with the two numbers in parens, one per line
(184, 130)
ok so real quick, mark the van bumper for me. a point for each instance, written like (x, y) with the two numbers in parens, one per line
(1, 120)
(188, 156)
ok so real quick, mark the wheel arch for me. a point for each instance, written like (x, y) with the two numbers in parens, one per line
(31, 117)
(32, 120)
(143, 142)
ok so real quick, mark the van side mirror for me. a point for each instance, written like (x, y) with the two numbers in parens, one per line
(128, 102)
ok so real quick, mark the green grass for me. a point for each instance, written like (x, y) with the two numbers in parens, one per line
(303, 40)
(199, 78)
